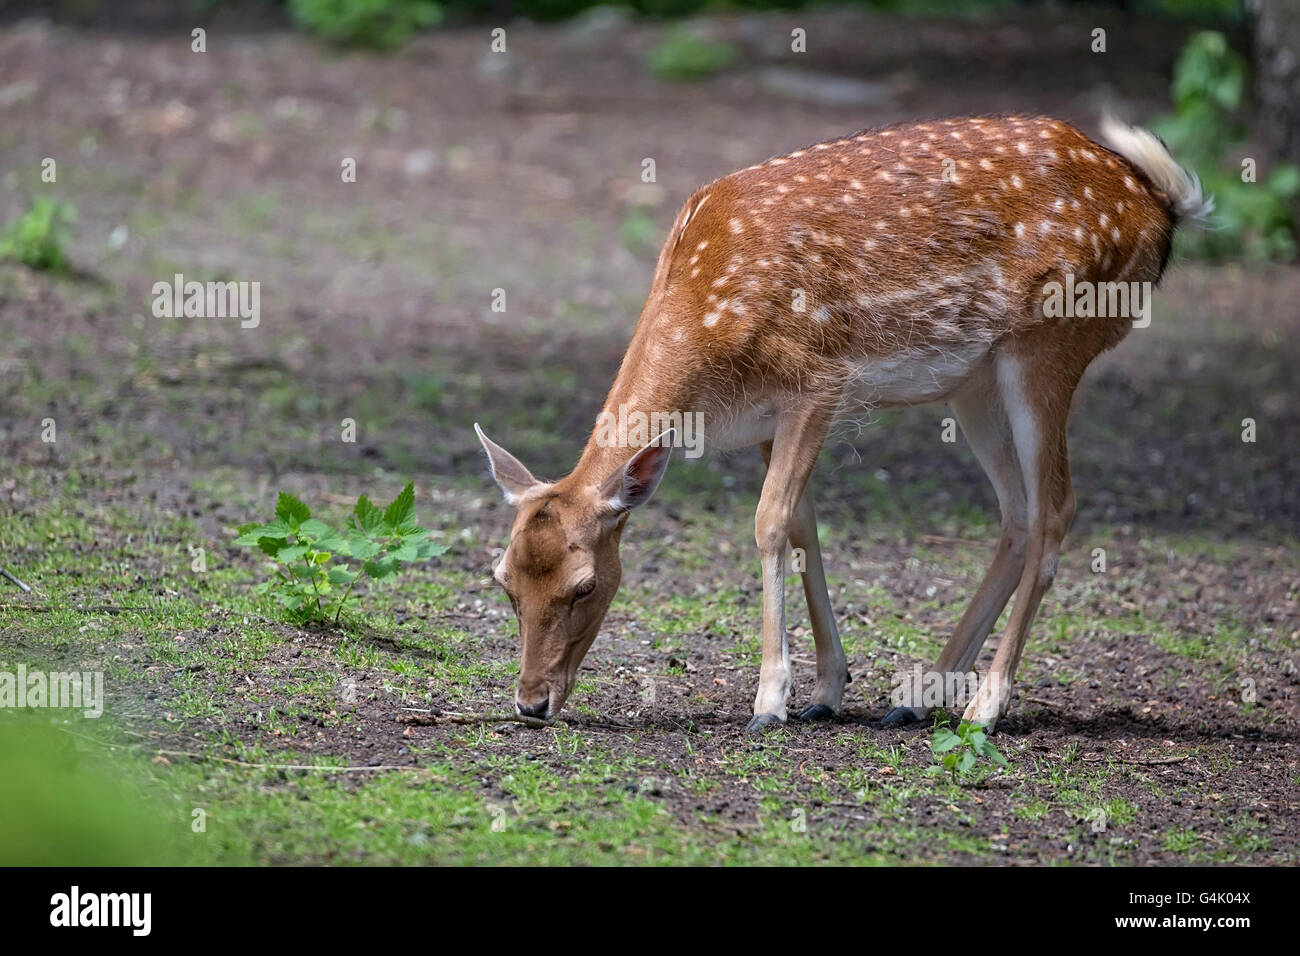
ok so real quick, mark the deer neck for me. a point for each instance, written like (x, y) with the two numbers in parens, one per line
(651, 392)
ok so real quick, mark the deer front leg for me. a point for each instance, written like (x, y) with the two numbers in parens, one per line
(832, 667)
(798, 439)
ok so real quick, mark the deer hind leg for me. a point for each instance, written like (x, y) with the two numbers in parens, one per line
(832, 667)
(1037, 397)
(982, 414)
(793, 453)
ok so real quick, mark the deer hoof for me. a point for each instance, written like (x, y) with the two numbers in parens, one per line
(900, 717)
(817, 712)
(763, 722)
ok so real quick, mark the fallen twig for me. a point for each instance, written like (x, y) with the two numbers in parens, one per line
(5, 572)
(430, 719)
(88, 609)
(115, 745)
(1148, 761)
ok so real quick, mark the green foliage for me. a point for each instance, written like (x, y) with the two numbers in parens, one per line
(63, 803)
(1253, 219)
(685, 55)
(1227, 11)
(308, 550)
(37, 237)
(375, 24)
(958, 752)
(638, 232)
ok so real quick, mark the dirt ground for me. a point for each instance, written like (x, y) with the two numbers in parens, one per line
(1159, 696)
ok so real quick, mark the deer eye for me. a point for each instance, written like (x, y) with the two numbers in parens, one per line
(585, 589)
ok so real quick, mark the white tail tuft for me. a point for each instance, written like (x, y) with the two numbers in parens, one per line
(1145, 151)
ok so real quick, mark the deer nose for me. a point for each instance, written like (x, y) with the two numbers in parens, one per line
(537, 710)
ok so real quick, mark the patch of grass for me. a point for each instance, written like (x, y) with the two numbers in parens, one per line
(684, 54)
(38, 238)
(1180, 840)
(373, 24)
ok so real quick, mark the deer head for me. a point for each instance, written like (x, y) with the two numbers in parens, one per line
(561, 568)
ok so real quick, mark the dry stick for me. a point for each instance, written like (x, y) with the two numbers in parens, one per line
(5, 572)
(426, 720)
(239, 763)
(88, 609)
(1095, 758)
(280, 766)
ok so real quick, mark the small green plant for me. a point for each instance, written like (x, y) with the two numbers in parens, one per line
(308, 550)
(638, 232)
(37, 237)
(685, 55)
(957, 752)
(1252, 219)
(376, 24)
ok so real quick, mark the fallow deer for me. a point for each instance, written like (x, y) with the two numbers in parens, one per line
(897, 266)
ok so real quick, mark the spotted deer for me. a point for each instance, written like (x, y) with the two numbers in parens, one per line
(898, 266)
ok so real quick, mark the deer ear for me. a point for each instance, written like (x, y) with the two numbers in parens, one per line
(515, 480)
(632, 485)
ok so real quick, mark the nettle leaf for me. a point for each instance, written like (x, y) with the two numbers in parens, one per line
(291, 511)
(361, 547)
(943, 741)
(293, 552)
(340, 577)
(966, 762)
(400, 515)
(314, 528)
(369, 517)
(405, 552)
(385, 567)
(427, 549)
(989, 750)
(250, 535)
(322, 536)
(272, 546)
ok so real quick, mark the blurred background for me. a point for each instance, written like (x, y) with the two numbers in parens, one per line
(519, 163)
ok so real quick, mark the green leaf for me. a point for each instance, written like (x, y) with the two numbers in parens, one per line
(369, 518)
(400, 515)
(314, 528)
(966, 762)
(383, 568)
(405, 552)
(943, 741)
(992, 752)
(291, 511)
(291, 553)
(250, 535)
(361, 547)
(341, 577)
(428, 550)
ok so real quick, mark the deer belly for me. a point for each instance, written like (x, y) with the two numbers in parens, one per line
(914, 378)
(740, 429)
